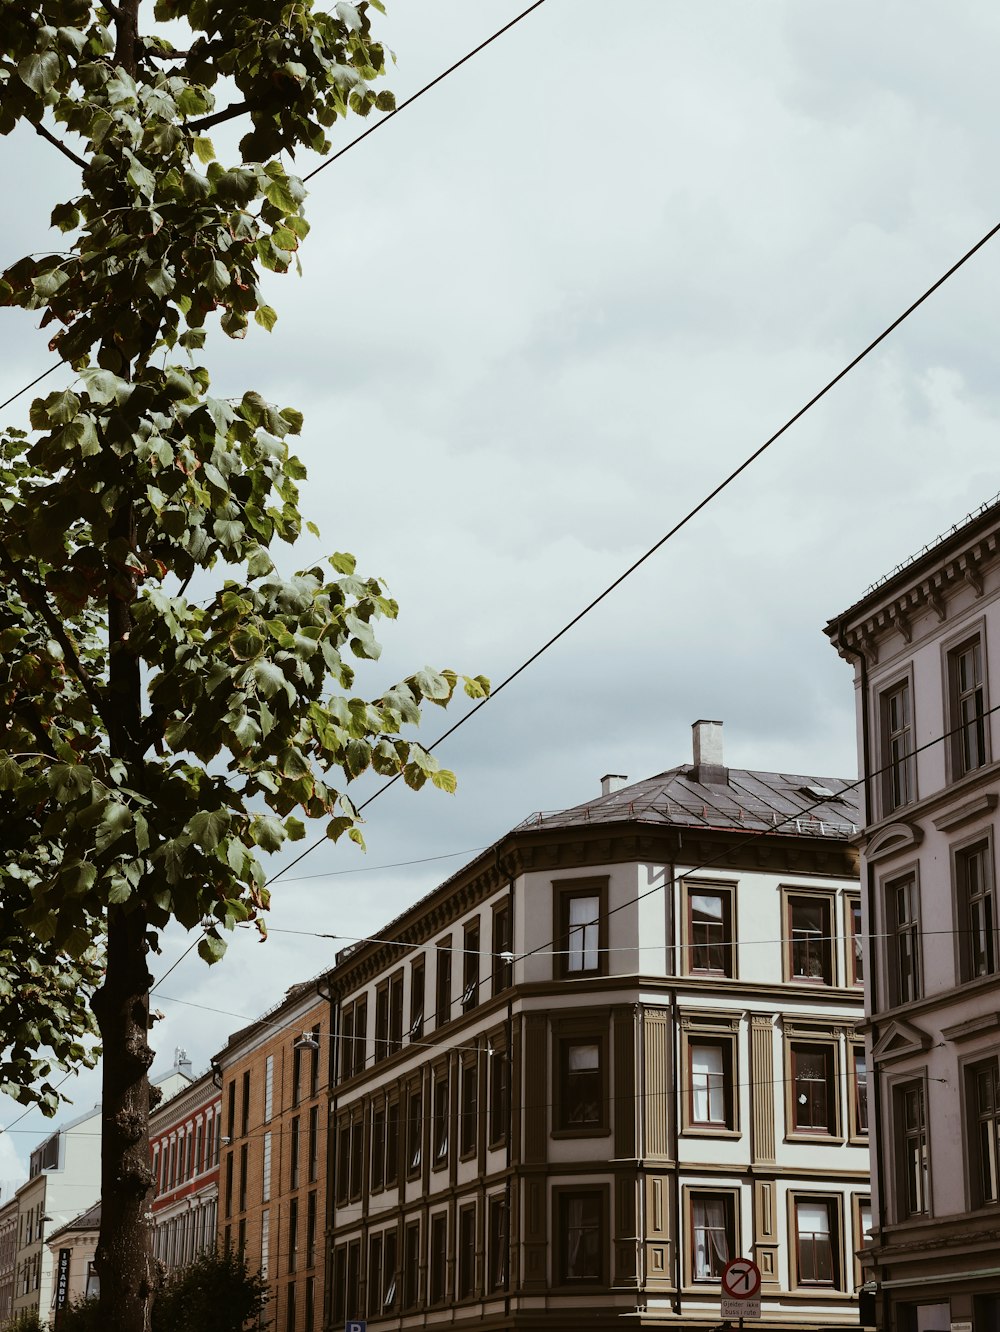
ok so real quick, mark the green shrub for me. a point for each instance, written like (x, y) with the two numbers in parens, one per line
(215, 1293)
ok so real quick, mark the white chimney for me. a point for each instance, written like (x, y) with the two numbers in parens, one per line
(709, 765)
(612, 781)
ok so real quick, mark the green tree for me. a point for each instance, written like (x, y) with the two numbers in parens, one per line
(158, 743)
(217, 1292)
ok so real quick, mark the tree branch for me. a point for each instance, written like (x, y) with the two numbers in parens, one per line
(56, 629)
(58, 143)
(217, 117)
(112, 9)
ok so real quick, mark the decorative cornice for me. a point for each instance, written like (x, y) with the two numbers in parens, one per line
(892, 839)
(972, 809)
(899, 1040)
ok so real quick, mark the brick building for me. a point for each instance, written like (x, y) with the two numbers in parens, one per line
(274, 1078)
(185, 1134)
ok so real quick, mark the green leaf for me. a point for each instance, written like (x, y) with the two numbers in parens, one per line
(203, 149)
(211, 948)
(270, 679)
(208, 827)
(445, 780)
(267, 832)
(39, 71)
(266, 317)
(115, 822)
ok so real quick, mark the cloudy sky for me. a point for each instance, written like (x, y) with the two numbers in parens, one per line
(543, 312)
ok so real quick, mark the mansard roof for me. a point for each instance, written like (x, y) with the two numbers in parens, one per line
(772, 802)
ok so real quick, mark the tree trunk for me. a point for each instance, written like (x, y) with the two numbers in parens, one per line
(124, 1252)
(124, 1256)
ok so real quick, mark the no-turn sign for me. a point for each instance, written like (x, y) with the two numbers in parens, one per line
(741, 1279)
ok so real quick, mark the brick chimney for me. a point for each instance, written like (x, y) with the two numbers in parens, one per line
(709, 768)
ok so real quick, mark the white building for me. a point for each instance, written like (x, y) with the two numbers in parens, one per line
(925, 647)
(612, 1053)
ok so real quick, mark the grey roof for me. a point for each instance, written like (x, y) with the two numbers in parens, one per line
(774, 802)
(88, 1220)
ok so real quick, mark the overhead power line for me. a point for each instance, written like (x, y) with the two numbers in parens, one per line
(672, 532)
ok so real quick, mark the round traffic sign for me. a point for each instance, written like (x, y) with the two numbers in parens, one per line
(741, 1279)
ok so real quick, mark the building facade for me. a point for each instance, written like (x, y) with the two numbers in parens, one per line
(615, 1051)
(274, 1079)
(8, 1257)
(925, 647)
(185, 1134)
(64, 1177)
(72, 1248)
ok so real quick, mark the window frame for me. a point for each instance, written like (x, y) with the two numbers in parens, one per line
(411, 1264)
(726, 890)
(953, 650)
(471, 964)
(797, 1039)
(563, 1196)
(465, 1288)
(378, 1147)
(834, 1204)
(859, 1201)
(414, 1142)
(977, 1119)
(438, 1292)
(582, 1029)
(502, 936)
(564, 892)
(392, 1139)
(730, 1197)
(962, 855)
(858, 1132)
(898, 772)
(499, 1091)
(902, 1135)
(443, 981)
(791, 896)
(418, 998)
(440, 1116)
(468, 1135)
(721, 1030)
(897, 931)
(495, 1276)
(855, 939)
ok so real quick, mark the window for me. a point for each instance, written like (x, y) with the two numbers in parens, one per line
(245, 1110)
(360, 1034)
(389, 1271)
(817, 1241)
(311, 1229)
(713, 1234)
(296, 1071)
(709, 1083)
(353, 1293)
(392, 1143)
(382, 1021)
(442, 1010)
(395, 1011)
(976, 898)
(310, 1305)
(496, 1254)
(503, 944)
(470, 1107)
(353, 1036)
(983, 1084)
(343, 1180)
(499, 1065)
(967, 701)
(414, 1129)
(813, 1088)
(229, 1183)
(580, 1247)
(581, 927)
(265, 1185)
(470, 967)
(439, 1257)
(904, 940)
(913, 1193)
(416, 1029)
(378, 1148)
(709, 925)
(314, 1061)
(290, 1305)
(357, 1157)
(855, 942)
(294, 1153)
(441, 1117)
(338, 1295)
(243, 1178)
(375, 1276)
(580, 1080)
(466, 1252)
(411, 1264)
(859, 1092)
(313, 1143)
(809, 938)
(862, 1207)
(898, 785)
(293, 1234)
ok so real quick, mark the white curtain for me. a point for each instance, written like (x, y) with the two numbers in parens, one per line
(706, 1084)
(582, 943)
(711, 1245)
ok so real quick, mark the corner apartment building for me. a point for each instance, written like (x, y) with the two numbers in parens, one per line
(925, 647)
(611, 1053)
(185, 1134)
(274, 1077)
(64, 1178)
(8, 1258)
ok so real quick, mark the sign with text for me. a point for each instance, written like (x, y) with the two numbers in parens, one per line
(741, 1279)
(740, 1308)
(355, 1327)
